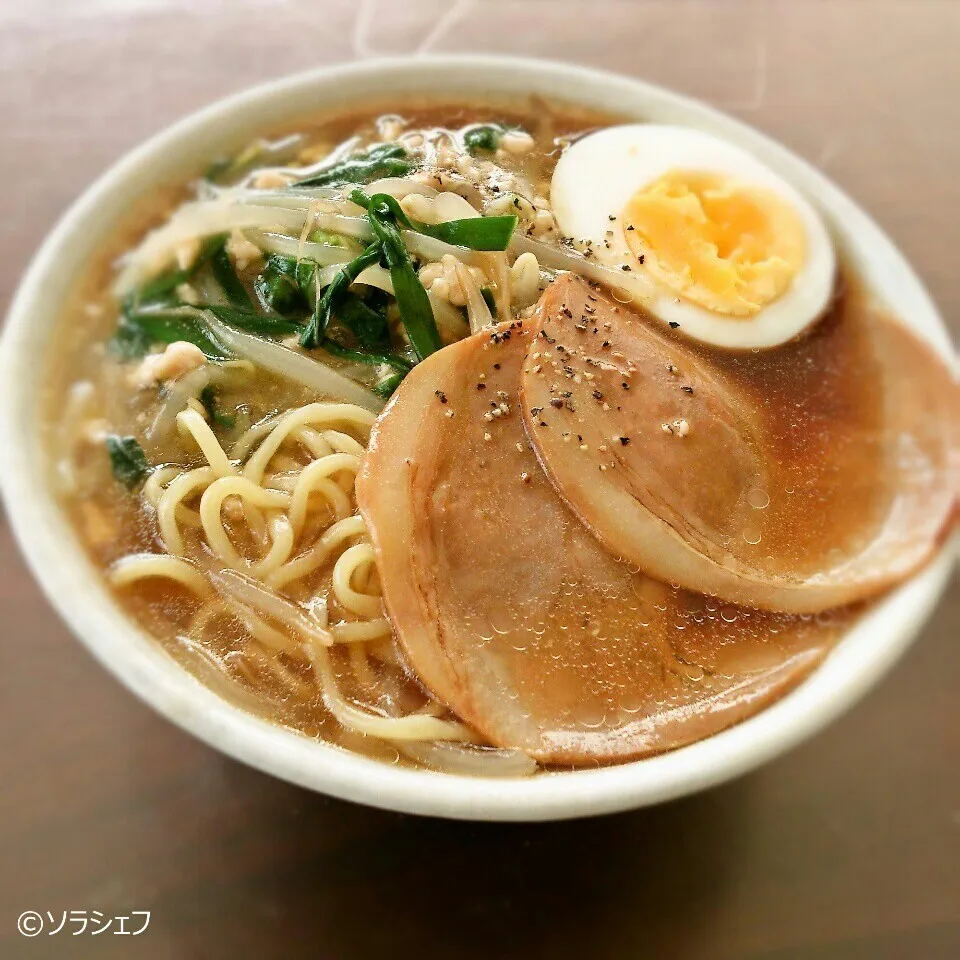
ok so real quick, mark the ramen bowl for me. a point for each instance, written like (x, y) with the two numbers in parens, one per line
(77, 591)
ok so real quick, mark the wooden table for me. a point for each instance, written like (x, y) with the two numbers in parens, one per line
(847, 848)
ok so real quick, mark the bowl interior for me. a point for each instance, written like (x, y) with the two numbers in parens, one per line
(77, 591)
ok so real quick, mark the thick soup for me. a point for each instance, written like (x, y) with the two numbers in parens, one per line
(495, 438)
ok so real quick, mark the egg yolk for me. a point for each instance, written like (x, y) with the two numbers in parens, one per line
(728, 246)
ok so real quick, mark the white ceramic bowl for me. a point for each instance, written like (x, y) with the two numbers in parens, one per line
(76, 590)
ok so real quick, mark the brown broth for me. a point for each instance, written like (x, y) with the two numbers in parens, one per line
(819, 393)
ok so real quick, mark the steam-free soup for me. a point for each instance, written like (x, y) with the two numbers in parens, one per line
(494, 438)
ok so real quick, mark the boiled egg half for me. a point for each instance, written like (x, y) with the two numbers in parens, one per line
(698, 231)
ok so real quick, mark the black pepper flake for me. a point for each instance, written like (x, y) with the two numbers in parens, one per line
(625, 266)
(543, 423)
(625, 385)
(687, 390)
(550, 340)
(496, 366)
(560, 348)
(566, 312)
(673, 324)
(441, 395)
(597, 395)
(606, 343)
(568, 370)
(631, 227)
(579, 438)
(588, 309)
(640, 258)
(536, 411)
(556, 402)
(481, 386)
(610, 216)
(624, 440)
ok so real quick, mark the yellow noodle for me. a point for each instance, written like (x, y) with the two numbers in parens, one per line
(312, 413)
(318, 553)
(140, 566)
(171, 502)
(361, 604)
(361, 631)
(306, 484)
(211, 504)
(411, 727)
(191, 422)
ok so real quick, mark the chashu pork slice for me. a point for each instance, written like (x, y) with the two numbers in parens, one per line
(797, 480)
(514, 615)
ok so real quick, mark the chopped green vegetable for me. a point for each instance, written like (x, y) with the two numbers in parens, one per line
(362, 356)
(365, 322)
(266, 325)
(277, 287)
(485, 138)
(387, 385)
(208, 397)
(139, 330)
(167, 282)
(475, 233)
(416, 313)
(226, 276)
(128, 461)
(330, 239)
(489, 300)
(316, 328)
(383, 160)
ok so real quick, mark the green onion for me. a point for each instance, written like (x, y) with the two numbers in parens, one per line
(250, 320)
(475, 233)
(386, 386)
(315, 330)
(208, 397)
(367, 324)
(485, 138)
(139, 330)
(227, 277)
(168, 282)
(383, 160)
(489, 300)
(416, 312)
(277, 287)
(128, 461)
(362, 356)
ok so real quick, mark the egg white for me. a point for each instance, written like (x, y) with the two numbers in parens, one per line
(596, 177)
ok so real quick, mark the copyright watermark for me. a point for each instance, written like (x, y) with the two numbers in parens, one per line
(76, 923)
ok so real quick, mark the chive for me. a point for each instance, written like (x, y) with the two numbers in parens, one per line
(313, 333)
(169, 281)
(227, 277)
(208, 397)
(475, 233)
(277, 287)
(367, 324)
(250, 320)
(139, 330)
(383, 160)
(386, 386)
(127, 460)
(416, 312)
(489, 300)
(485, 138)
(362, 356)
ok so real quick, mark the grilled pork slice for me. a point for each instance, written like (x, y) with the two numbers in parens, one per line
(514, 615)
(798, 480)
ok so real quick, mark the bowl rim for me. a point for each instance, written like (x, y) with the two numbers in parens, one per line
(76, 590)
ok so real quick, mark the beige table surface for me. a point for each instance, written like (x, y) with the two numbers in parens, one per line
(847, 848)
